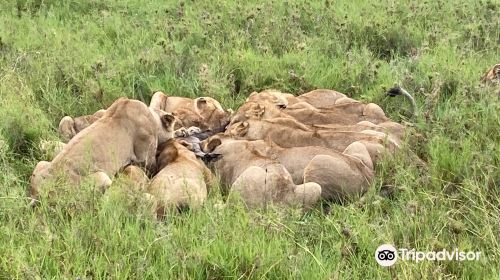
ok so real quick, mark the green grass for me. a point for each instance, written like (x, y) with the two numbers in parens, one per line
(73, 57)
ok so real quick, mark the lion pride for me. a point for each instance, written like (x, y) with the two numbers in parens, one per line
(257, 178)
(340, 175)
(204, 113)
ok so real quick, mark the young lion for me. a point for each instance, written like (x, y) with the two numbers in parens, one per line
(69, 127)
(182, 180)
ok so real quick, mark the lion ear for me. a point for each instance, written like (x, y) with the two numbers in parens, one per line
(257, 110)
(281, 104)
(167, 119)
(251, 95)
(212, 144)
(158, 100)
(242, 129)
(280, 101)
(260, 111)
(201, 103)
(185, 144)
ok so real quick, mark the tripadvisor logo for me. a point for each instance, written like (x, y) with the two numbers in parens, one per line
(387, 255)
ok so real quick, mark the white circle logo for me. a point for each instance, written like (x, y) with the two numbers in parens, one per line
(386, 255)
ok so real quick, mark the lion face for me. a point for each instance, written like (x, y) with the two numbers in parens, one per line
(492, 75)
(238, 129)
(274, 97)
(211, 114)
(165, 123)
(253, 110)
(40, 176)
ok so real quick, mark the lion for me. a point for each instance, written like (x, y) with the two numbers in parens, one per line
(255, 177)
(137, 177)
(182, 180)
(324, 98)
(342, 114)
(128, 133)
(322, 106)
(316, 99)
(276, 97)
(394, 130)
(492, 75)
(205, 113)
(69, 127)
(340, 175)
(289, 133)
(314, 119)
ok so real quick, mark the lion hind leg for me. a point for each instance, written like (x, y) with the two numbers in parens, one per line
(251, 187)
(359, 151)
(307, 194)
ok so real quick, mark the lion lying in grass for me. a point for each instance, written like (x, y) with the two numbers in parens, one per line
(277, 148)
(340, 175)
(182, 179)
(204, 113)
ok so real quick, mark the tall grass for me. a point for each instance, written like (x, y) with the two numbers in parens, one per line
(74, 57)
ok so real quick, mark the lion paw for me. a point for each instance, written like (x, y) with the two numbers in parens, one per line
(193, 130)
(181, 132)
(185, 132)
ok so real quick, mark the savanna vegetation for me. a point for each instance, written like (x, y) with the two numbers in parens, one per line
(74, 57)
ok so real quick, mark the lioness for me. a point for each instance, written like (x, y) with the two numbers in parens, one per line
(182, 180)
(276, 97)
(257, 178)
(340, 175)
(345, 114)
(203, 112)
(128, 132)
(324, 98)
(318, 98)
(313, 100)
(329, 107)
(289, 133)
(137, 177)
(69, 127)
(314, 119)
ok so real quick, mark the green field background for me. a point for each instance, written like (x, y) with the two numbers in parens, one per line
(74, 57)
